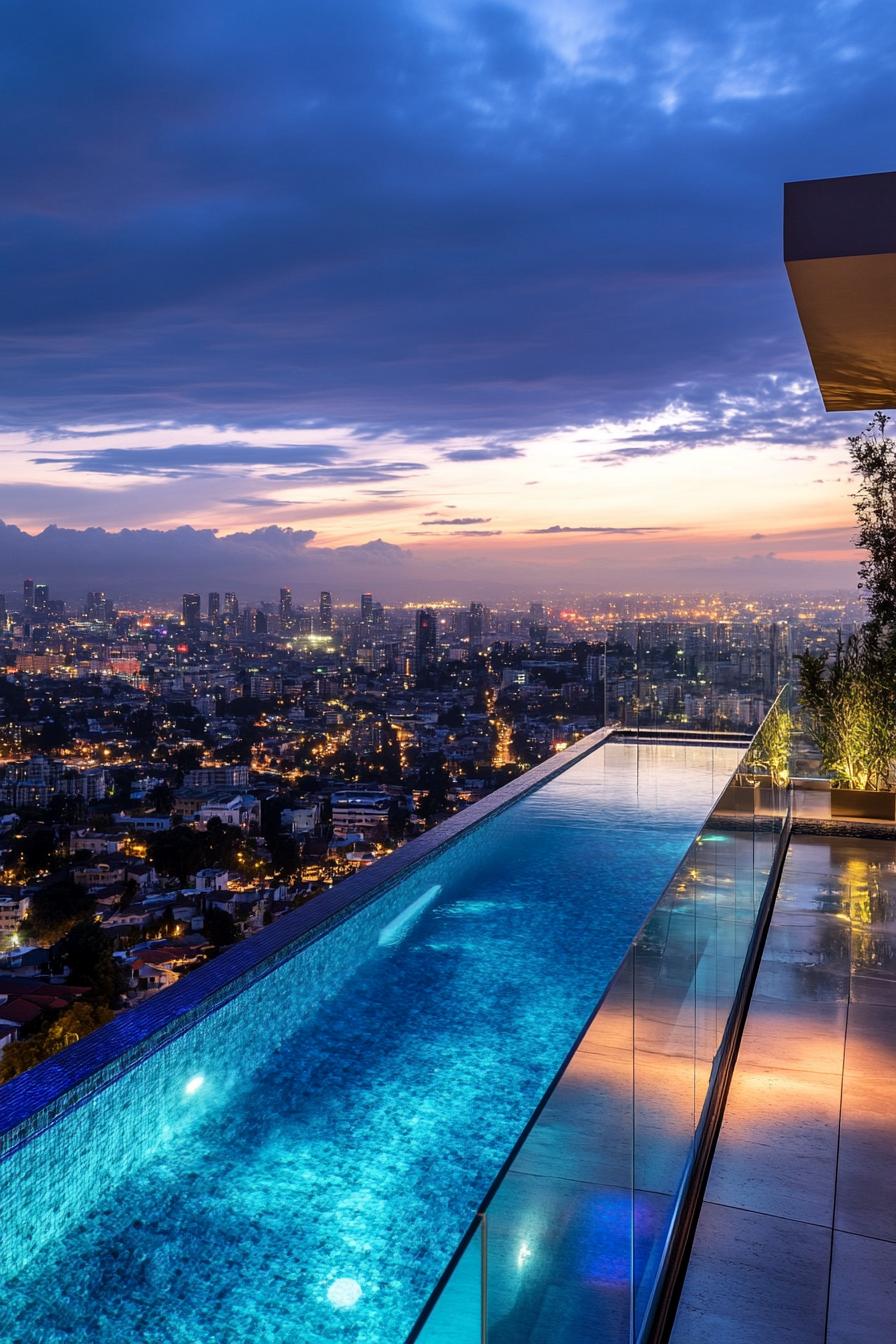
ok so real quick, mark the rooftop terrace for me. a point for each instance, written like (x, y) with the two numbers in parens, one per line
(797, 1239)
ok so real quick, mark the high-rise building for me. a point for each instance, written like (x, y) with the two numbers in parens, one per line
(285, 609)
(425, 644)
(214, 610)
(191, 615)
(478, 622)
(776, 663)
(41, 599)
(595, 667)
(2, 611)
(231, 609)
(366, 609)
(28, 594)
(325, 612)
(98, 607)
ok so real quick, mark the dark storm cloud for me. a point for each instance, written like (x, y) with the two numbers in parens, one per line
(369, 211)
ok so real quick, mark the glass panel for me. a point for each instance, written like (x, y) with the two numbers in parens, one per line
(664, 1066)
(578, 1225)
(560, 1223)
(457, 1316)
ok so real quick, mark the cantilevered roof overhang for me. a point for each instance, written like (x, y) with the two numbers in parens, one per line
(840, 254)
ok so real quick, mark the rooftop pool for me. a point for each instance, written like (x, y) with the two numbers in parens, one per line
(297, 1164)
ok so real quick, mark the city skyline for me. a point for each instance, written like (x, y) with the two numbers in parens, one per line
(395, 287)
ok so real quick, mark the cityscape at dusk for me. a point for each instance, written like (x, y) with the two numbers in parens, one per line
(447, 672)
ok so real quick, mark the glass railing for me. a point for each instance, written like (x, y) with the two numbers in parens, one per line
(581, 1234)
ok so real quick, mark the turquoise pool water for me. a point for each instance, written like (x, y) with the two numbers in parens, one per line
(299, 1166)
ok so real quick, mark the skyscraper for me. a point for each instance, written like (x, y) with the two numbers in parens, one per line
(191, 615)
(776, 662)
(214, 610)
(366, 609)
(478, 622)
(325, 612)
(41, 599)
(285, 610)
(231, 609)
(425, 643)
(28, 594)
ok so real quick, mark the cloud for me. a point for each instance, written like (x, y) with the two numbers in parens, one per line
(158, 564)
(260, 502)
(452, 522)
(765, 415)
(756, 560)
(339, 474)
(320, 463)
(189, 459)
(474, 533)
(390, 216)
(493, 453)
(603, 531)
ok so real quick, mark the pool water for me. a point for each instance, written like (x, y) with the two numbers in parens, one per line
(318, 1196)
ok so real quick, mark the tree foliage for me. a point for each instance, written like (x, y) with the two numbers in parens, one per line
(873, 456)
(54, 910)
(182, 851)
(770, 753)
(88, 954)
(220, 927)
(77, 1021)
(850, 699)
(851, 708)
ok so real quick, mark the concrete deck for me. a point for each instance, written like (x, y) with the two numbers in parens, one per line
(796, 1242)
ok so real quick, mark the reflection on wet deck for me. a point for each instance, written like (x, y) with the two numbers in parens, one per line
(797, 1239)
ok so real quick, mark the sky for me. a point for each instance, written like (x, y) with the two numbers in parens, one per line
(436, 298)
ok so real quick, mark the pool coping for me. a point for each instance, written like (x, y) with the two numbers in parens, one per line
(34, 1100)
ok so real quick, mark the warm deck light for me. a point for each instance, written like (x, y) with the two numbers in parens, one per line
(192, 1086)
(343, 1293)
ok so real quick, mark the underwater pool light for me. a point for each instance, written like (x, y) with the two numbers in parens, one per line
(192, 1085)
(343, 1293)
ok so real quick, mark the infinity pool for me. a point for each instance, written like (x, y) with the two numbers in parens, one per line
(299, 1165)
